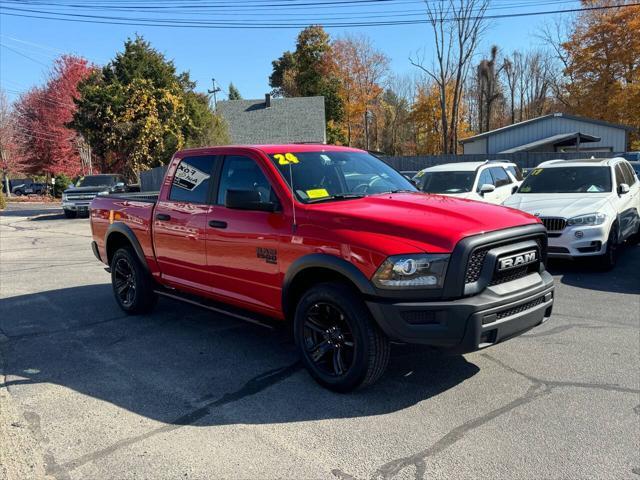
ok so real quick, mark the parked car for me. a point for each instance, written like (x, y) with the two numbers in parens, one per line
(77, 198)
(29, 188)
(333, 240)
(589, 207)
(491, 181)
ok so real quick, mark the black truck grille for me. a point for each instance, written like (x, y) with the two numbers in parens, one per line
(478, 257)
(474, 265)
(554, 224)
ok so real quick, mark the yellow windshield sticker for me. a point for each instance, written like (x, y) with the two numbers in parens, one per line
(317, 193)
(286, 159)
(537, 171)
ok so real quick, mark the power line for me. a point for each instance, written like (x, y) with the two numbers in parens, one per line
(21, 54)
(174, 23)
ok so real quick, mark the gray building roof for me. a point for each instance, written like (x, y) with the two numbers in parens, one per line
(562, 139)
(275, 120)
(556, 132)
(544, 117)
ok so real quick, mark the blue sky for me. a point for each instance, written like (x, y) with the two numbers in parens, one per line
(234, 55)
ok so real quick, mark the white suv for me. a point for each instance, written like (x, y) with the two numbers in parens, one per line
(588, 206)
(491, 181)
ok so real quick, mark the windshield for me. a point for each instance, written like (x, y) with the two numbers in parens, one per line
(333, 175)
(568, 180)
(96, 181)
(446, 182)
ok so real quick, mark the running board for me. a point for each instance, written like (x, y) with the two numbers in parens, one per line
(238, 314)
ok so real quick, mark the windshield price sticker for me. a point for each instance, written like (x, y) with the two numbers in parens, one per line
(537, 171)
(317, 193)
(286, 159)
(189, 177)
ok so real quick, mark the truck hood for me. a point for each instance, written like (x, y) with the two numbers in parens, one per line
(412, 221)
(564, 205)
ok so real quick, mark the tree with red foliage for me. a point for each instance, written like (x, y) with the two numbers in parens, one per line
(47, 143)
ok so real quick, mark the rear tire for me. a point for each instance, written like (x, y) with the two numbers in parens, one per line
(339, 342)
(610, 258)
(132, 283)
(70, 213)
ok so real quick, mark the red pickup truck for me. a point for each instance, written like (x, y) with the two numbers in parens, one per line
(333, 240)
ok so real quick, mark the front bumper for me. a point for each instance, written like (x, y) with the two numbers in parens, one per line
(77, 206)
(578, 241)
(467, 324)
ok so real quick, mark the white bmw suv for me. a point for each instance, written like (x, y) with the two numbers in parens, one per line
(491, 181)
(588, 206)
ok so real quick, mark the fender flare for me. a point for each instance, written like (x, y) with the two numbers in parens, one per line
(328, 262)
(119, 227)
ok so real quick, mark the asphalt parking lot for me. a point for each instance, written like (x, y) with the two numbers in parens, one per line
(87, 392)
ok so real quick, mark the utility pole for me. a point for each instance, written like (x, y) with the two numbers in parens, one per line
(215, 90)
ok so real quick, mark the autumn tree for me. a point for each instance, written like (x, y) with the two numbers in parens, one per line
(361, 71)
(456, 27)
(310, 71)
(138, 110)
(426, 115)
(601, 58)
(47, 143)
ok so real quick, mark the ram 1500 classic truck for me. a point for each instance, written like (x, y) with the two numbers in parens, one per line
(333, 240)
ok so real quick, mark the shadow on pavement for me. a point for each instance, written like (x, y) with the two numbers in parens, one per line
(624, 278)
(181, 363)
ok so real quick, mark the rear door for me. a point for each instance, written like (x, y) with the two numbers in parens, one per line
(180, 223)
(243, 245)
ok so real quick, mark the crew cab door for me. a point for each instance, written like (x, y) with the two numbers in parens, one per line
(243, 251)
(180, 223)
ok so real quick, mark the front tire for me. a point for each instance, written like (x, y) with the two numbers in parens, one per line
(610, 258)
(70, 213)
(132, 284)
(340, 344)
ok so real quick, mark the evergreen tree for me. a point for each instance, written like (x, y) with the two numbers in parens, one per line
(234, 93)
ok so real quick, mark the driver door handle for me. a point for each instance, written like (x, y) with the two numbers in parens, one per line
(163, 217)
(217, 224)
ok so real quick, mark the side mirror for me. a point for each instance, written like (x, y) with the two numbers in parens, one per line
(514, 189)
(248, 200)
(119, 187)
(623, 188)
(487, 188)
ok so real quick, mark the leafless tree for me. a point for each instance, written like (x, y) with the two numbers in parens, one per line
(457, 26)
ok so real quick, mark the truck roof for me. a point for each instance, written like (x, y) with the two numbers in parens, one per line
(278, 148)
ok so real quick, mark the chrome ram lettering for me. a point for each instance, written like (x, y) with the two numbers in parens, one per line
(518, 260)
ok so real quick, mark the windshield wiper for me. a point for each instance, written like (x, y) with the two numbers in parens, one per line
(337, 196)
(397, 191)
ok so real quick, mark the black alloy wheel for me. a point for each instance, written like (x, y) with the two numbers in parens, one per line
(124, 282)
(132, 283)
(340, 343)
(328, 339)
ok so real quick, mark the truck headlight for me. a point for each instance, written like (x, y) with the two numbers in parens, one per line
(412, 271)
(589, 219)
(104, 192)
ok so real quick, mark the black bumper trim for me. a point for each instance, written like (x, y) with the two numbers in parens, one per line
(470, 323)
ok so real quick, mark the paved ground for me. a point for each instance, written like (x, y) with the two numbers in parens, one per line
(86, 392)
